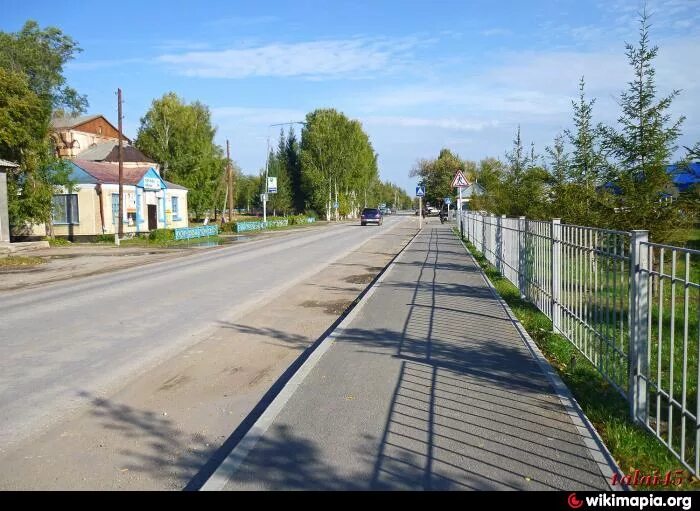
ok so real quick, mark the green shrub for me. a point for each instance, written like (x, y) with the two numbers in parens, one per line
(105, 238)
(162, 235)
(228, 227)
(57, 242)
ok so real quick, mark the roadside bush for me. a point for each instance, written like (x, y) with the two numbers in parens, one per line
(57, 242)
(228, 227)
(300, 219)
(105, 238)
(162, 235)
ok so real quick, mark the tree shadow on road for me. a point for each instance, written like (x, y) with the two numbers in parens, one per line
(471, 408)
(152, 443)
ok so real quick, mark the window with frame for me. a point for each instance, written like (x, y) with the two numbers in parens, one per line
(115, 208)
(175, 209)
(65, 209)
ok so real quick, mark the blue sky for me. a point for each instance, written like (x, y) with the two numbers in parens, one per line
(419, 75)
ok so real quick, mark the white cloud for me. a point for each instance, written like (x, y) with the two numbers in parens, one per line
(261, 117)
(453, 124)
(316, 59)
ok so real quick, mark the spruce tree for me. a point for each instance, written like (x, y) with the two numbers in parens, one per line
(643, 148)
(294, 170)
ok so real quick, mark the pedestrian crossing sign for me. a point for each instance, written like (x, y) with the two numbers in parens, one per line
(459, 180)
(420, 191)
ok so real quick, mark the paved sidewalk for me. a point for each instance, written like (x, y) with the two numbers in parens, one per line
(430, 386)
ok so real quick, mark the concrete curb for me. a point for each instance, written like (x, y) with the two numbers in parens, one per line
(228, 467)
(597, 449)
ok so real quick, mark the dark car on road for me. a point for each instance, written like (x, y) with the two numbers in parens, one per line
(371, 216)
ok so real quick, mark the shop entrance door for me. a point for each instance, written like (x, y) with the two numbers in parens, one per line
(152, 217)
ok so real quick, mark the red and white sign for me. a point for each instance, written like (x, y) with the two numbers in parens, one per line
(460, 181)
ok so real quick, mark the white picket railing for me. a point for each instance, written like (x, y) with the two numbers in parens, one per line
(631, 307)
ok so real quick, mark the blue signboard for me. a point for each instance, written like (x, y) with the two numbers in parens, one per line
(420, 191)
(448, 201)
(335, 205)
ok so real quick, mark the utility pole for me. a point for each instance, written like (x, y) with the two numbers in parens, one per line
(230, 183)
(120, 234)
(264, 195)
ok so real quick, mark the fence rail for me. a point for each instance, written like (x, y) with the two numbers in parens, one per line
(631, 307)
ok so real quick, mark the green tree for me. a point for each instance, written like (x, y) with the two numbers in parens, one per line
(32, 85)
(40, 54)
(437, 175)
(559, 169)
(643, 147)
(585, 201)
(294, 170)
(278, 166)
(490, 175)
(337, 159)
(180, 137)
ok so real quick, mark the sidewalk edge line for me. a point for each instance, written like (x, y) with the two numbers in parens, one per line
(595, 445)
(236, 457)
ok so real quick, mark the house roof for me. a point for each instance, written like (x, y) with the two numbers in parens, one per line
(174, 186)
(8, 164)
(685, 177)
(108, 173)
(109, 151)
(72, 120)
(473, 189)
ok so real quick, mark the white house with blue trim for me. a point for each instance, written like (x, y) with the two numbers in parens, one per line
(91, 208)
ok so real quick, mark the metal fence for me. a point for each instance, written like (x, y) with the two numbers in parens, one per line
(631, 307)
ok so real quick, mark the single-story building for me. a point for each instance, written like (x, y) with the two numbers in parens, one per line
(91, 208)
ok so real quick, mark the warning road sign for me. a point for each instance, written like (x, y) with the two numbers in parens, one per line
(459, 181)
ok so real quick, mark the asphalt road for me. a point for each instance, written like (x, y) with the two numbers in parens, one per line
(428, 386)
(62, 344)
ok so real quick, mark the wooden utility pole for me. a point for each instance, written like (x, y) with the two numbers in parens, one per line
(121, 167)
(230, 183)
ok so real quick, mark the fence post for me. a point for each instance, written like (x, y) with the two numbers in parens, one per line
(522, 227)
(502, 252)
(556, 274)
(639, 325)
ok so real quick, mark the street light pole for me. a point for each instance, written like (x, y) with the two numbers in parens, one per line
(267, 162)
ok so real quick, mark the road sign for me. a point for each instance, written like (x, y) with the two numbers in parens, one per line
(420, 191)
(459, 180)
(335, 205)
(448, 201)
(263, 197)
(271, 185)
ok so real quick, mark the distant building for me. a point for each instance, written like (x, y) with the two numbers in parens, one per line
(684, 178)
(71, 135)
(470, 192)
(92, 207)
